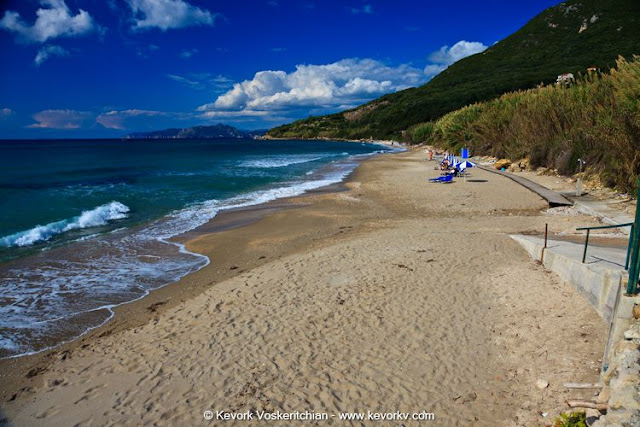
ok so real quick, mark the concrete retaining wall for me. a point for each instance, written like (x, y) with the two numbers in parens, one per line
(598, 286)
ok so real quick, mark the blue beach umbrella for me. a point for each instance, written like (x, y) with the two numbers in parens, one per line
(465, 164)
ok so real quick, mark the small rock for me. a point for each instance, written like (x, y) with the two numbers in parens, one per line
(542, 384)
(636, 311)
(593, 413)
(604, 395)
(633, 333)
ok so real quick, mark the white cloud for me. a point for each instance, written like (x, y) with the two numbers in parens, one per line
(345, 82)
(201, 81)
(62, 119)
(462, 49)
(48, 51)
(185, 81)
(167, 14)
(446, 56)
(51, 22)
(5, 112)
(233, 114)
(433, 69)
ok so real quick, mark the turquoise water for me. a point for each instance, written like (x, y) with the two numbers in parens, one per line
(84, 225)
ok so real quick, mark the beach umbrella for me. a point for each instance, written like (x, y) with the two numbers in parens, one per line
(465, 164)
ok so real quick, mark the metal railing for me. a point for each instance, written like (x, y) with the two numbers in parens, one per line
(632, 263)
(602, 227)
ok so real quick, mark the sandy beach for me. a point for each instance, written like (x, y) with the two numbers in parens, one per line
(390, 294)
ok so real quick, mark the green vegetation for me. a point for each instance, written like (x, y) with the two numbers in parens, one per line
(574, 419)
(552, 43)
(596, 118)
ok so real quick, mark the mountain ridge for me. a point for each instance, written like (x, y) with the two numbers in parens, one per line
(219, 131)
(569, 37)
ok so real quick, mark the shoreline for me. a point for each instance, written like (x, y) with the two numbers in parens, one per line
(130, 314)
(385, 142)
(389, 225)
(334, 173)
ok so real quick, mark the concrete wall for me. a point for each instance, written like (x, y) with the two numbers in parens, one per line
(599, 286)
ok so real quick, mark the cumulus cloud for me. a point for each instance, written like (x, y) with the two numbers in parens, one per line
(433, 69)
(49, 51)
(62, 119)
(446, 56)
(344, 82)
(5, 112)
(53, 20)
(168, 14)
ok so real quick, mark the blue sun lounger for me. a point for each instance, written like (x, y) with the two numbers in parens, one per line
(442, 179)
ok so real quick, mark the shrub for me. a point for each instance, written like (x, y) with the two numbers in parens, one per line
(597, 119)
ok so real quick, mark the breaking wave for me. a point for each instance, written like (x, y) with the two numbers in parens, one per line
(91, 218)
(280, 161)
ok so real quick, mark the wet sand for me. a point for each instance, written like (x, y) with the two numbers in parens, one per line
(396, 295)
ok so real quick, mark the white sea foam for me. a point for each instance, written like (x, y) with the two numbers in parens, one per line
(184, 220)
(91, 218)
(282, 161)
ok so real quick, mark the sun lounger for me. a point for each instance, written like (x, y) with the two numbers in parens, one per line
(442, 179)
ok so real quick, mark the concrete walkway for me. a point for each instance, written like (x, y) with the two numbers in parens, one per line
(585, 203)
(602, 209)
(554, 199)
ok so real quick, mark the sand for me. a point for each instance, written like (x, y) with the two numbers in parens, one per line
(396, 295)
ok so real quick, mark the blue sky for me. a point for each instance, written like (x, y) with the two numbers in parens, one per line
(104, 68)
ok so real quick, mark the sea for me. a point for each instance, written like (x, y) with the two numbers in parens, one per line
(86, 225)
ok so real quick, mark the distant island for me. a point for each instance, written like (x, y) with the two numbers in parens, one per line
(218, 131)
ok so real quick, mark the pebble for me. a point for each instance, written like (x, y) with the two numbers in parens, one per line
(542, 384)
(633, 333)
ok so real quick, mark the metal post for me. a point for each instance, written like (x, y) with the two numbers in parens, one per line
(632, 286)
(586, 243)
(546, 233)
(629, 248)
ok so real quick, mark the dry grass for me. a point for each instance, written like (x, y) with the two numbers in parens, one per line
(597, 119)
